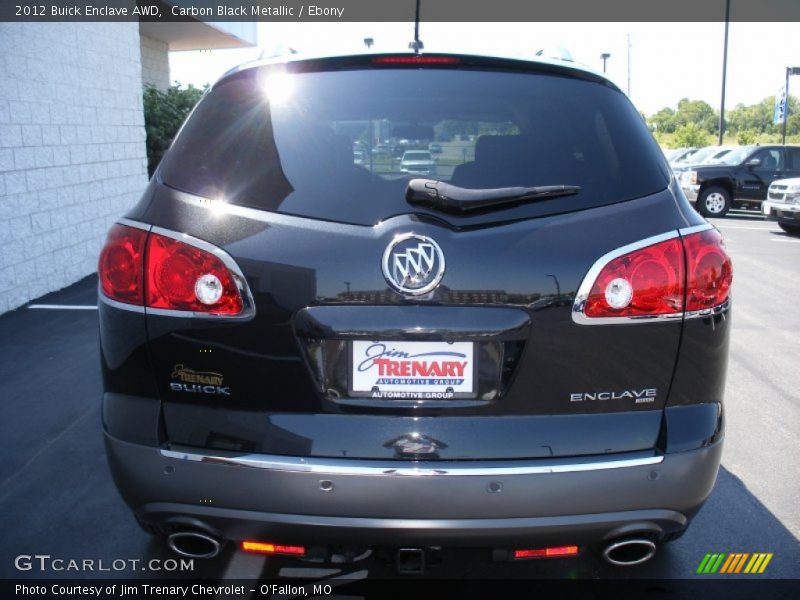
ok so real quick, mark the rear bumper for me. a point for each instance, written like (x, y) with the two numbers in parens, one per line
(448, 504)
(780, 211)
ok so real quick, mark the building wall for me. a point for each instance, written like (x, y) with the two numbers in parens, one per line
(155, 62)
(72, 149)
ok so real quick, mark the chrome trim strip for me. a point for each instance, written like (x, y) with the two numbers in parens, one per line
(136, 224)
(709, 312)
(116, 303)
(248, 304)
(588, 281)
(695, 229)
(332, 466)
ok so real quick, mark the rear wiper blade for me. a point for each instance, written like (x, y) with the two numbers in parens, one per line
(451, 198)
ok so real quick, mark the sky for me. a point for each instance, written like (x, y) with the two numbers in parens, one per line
(668, 61)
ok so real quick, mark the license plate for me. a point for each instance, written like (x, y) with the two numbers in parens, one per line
(413, 370)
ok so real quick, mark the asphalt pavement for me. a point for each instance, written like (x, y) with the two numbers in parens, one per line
(57, 497)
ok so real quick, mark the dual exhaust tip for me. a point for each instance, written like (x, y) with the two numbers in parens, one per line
(194, 544)
(621, 553)
(629, 552)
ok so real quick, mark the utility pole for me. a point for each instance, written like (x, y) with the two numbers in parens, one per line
(724, 73)
(628, 35)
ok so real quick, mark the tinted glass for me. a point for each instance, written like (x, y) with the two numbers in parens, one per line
(330, 144)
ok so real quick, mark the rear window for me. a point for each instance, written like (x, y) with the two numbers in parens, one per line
(331, 145)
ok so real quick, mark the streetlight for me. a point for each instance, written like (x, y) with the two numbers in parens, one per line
(605, 56)
(789, 71)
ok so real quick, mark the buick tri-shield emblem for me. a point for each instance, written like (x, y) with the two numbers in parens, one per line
(413, 264)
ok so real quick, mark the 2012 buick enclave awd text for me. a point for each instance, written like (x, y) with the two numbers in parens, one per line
(312, 355)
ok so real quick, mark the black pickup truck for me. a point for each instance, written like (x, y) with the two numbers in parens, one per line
(740, 179)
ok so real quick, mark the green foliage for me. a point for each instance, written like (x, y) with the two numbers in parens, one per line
(691, 134)
(751, 123)
(745, 137)
(164, 113)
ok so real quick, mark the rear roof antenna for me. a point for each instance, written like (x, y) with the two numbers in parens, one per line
(417, 44)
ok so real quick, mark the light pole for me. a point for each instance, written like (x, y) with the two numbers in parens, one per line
(724, 72)
(789, 71)
(605, 56)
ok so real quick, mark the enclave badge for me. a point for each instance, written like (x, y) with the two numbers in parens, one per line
(413, 264)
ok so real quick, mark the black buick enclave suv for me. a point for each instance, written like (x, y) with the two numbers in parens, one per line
(311, 356)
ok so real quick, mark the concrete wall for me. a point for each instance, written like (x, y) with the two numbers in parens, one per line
(72, 149)
(155, 62)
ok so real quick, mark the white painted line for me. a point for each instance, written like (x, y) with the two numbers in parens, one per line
(785, 241)
(65, 306)
(719, 226)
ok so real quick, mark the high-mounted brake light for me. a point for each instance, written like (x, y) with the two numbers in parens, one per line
(269, 548)
(546, 552)
(164, 273)
(671, 276)
(415, 60)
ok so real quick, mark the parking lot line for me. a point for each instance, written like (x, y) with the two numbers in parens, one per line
(765, 228)
(64, 306)
(785, 240)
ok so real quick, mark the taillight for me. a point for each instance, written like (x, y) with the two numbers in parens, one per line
(710, 273)
(647, 281)
(184, 277)
(164, 273)
(120, 267)
(688, 274)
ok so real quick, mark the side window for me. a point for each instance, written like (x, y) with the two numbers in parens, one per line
(771, 159)
(793, 156)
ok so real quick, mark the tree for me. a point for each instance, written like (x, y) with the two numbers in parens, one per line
(164, 113)
(746, 137)
(690, 135)
(698, 113)
(663, 121)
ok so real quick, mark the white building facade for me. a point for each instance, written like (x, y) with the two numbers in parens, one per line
(72, 138)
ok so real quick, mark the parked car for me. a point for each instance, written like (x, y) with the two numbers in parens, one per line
(740, 179)
(783, 204)
(310, 359)
(418, 162)
(679, 154)
(359, 157)
(693, 158)
(435, 148)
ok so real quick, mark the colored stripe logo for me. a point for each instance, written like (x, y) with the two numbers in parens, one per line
(734, 562)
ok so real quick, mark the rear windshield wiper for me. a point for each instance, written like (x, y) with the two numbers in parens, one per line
(451, 198)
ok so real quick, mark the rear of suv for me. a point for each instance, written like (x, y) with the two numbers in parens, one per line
(303, 354)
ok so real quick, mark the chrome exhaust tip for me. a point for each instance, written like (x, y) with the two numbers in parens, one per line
(193, 544)
(629, 552)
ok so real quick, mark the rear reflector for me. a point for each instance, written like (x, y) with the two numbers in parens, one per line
(415, 60)
(267, 548)
(546, 552)
(160, 272)
(682, 274)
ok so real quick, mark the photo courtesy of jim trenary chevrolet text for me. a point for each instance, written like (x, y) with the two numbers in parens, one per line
(409, 298)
